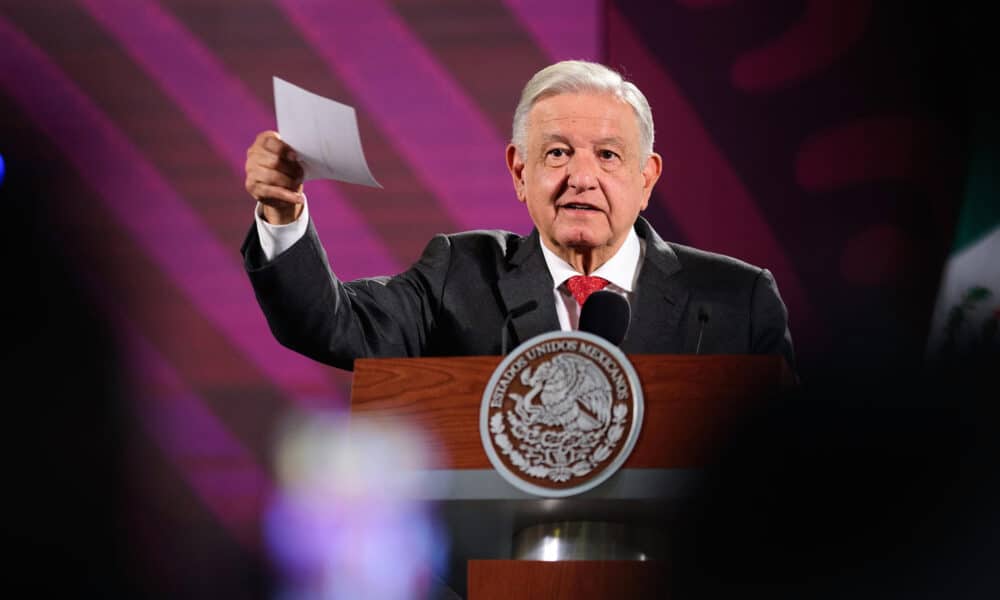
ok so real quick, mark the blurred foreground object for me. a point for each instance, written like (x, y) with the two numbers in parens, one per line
(345, 521)
(964, 323)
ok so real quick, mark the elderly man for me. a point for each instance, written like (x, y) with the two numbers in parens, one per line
(581, 160)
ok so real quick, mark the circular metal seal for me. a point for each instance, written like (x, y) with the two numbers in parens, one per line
(561, 413)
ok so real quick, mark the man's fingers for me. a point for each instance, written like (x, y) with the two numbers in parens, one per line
(273, 194)
(258, 157)
(266, 134)
(270, 143)
(273, 174)
(291, 168)
(273, 144)
(276, 177)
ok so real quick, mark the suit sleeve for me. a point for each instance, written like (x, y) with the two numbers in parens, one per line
(769, 332)
(311, 311)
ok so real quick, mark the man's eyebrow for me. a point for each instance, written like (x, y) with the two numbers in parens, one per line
(613, 140)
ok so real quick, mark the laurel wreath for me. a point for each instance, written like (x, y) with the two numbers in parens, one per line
(532, 457)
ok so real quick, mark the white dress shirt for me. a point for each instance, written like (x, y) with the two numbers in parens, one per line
(622, 270)
(275, 239)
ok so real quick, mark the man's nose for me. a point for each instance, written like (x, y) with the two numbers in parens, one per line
(582, 172)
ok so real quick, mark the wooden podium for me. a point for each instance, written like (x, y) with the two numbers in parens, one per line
(690, 402)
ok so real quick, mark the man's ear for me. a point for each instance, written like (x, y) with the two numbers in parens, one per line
(650, 174)
(515, 164)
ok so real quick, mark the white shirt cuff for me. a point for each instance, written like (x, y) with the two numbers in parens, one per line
(275, 239)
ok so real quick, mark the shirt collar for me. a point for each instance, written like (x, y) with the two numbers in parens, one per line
(620, 270)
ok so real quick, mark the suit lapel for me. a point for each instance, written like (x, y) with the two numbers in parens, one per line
(656, 316)
(661, 299)
(528, 280)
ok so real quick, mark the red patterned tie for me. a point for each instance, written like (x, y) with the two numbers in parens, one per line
(582, 286)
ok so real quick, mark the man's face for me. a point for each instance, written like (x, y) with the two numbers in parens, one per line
(583, 178)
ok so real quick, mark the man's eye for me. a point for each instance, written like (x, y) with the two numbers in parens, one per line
(608, 154)
(557, 152)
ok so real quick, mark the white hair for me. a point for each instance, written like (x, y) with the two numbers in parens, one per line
(578, 76)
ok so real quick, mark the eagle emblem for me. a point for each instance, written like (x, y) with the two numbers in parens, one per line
(560, 411)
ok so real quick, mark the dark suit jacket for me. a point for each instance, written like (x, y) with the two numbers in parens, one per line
(454, 300)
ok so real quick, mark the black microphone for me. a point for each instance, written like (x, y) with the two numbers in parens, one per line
(607, 314)
(704, 313)
(525, 308)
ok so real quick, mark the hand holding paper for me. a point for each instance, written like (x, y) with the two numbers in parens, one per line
(323, 132)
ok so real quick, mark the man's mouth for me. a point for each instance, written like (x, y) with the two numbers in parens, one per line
(577, 206)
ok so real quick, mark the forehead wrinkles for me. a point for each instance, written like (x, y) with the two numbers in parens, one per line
(554, 117)
(578, 131)
(548, 123)
(594, 131)
(590, 118)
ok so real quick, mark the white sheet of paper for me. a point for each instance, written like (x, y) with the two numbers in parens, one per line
(323, 132)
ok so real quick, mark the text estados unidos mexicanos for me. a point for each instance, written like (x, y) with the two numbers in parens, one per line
(610, 366)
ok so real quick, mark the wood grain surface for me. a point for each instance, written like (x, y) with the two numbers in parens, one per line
(690, 401)
(571, 579)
